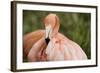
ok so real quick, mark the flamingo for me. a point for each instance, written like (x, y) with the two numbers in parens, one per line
(51, 45)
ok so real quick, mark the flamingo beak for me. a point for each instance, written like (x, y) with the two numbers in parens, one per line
(47, 33)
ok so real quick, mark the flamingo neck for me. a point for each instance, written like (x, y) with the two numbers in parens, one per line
(55, 30)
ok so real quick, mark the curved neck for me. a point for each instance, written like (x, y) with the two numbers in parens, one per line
(56, 27)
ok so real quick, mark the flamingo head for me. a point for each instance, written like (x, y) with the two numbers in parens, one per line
(51, 22)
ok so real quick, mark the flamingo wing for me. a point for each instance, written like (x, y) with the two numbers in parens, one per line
(36, 50)
(30, 39)
(75, 50)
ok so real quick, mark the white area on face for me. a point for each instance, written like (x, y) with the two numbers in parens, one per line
(48, 31)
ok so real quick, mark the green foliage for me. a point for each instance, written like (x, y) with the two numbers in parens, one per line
(76, 26)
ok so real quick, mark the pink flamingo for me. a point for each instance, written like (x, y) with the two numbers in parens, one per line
(50, 45)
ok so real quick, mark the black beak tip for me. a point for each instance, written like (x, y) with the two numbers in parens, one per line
(47, 40)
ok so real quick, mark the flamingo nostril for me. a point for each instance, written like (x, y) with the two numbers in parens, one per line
(47, 40)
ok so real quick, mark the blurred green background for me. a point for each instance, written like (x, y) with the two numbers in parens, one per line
(76, 26)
